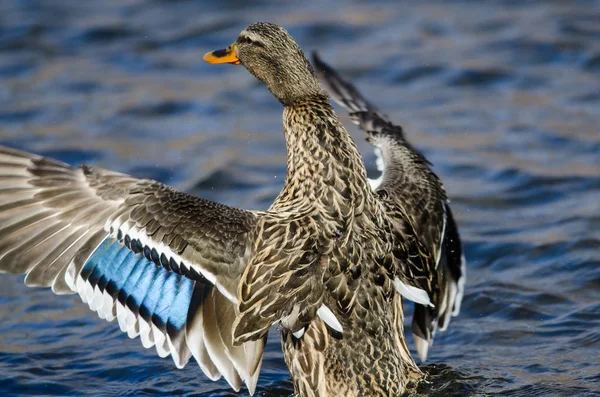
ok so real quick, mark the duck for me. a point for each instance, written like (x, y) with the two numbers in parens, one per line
(329, 262)
(406, 174)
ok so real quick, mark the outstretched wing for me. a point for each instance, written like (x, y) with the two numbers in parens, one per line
(412, 188)
(165, 264)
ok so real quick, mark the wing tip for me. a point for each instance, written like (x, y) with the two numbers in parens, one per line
(460, 289)
(252, 381)
(422, 347)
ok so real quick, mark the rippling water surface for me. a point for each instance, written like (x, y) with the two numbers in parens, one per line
(503, 97)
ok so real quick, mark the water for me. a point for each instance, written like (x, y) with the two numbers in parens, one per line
(503, 97)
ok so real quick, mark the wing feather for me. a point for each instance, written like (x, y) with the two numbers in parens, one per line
(135, 251)
(414, 196)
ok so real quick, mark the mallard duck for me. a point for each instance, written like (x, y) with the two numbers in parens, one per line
(406, 175)
(328, 262)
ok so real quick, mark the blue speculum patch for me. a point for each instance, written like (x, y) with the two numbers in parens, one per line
(156, 294)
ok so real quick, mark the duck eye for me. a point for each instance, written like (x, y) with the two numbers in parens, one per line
(247, 40)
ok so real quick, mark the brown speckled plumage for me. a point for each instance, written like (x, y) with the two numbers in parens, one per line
(330, 241)
(327, 262)
(412, 188)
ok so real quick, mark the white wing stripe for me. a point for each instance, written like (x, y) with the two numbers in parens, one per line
(414, 294)
(442, 236)
(298, 334)
(461, 286)
(329, 318)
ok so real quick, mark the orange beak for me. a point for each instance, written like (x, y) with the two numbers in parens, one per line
(226, 55)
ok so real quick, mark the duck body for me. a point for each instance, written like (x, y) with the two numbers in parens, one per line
(329, 261)
(344, 260)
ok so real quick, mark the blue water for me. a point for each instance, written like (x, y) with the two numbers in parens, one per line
(503, 97)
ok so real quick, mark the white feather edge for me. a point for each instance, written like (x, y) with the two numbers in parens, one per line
(414, 294)
(422, 347)
(160, 340)
(109, 308)
(460, 290)
(329, 318)
(379, 160)
(439, 253)
(374, 183)
(450, 297)
(298, 334)
(179, 360)
(194, 336)
(145, 331)
(121, 316)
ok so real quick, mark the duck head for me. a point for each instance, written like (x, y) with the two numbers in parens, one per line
(271, 55)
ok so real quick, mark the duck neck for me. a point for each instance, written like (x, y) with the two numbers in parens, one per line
(323, 163)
